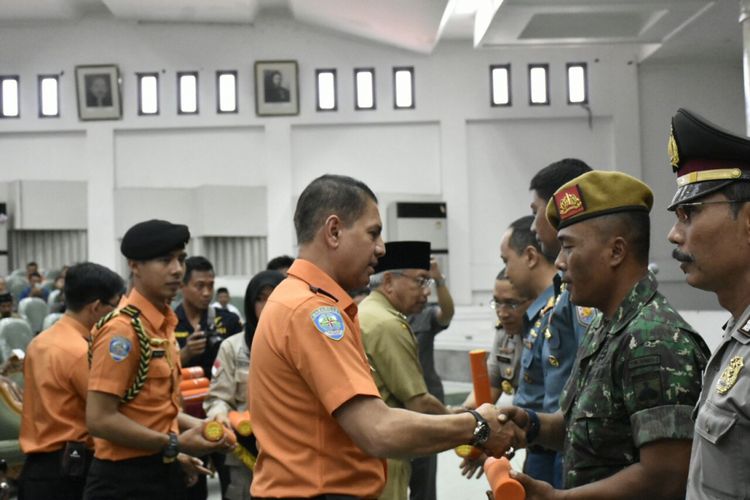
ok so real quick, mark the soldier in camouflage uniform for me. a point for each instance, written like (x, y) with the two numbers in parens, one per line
(712, 243)
(624, 423)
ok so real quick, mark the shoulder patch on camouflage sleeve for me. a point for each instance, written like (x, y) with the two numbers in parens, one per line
(585, 315)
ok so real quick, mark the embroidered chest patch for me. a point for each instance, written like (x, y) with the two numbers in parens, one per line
(729, 375)
(329, 322)
(119, 348)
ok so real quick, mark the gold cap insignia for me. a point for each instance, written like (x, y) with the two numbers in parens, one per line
(729, 375)
(569, 202)
(674, 153)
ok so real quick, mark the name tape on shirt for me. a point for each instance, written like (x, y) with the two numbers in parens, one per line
(119, 348)
(329, 322)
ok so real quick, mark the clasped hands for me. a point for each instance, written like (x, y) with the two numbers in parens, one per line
(508, 426)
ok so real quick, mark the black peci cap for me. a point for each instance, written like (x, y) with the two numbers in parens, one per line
(405, 255)
(153, 238)
(705, 157)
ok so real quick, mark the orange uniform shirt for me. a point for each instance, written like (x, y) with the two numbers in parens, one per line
(114, 363)
(56, 373)
(307, 360)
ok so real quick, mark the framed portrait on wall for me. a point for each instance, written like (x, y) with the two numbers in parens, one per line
(98, 91)
(276, 88)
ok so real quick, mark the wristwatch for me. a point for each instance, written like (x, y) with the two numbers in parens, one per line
(533, 430)
(170, 452)
(481, 431)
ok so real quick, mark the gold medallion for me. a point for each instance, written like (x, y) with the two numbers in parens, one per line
(507, 388)
(508, 372)
(729, 375)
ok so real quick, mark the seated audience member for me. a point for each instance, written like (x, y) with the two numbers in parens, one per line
(223, 302)
(31, 268)
(6, 306)
(53, 428)
(229, 385)
(35, 288)
(56, 298)
(281, 264)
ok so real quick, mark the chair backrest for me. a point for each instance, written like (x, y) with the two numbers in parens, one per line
(52, 296)
(50, 320)
(16, 285)
(18, 273)
(34, 310)
(15, 333)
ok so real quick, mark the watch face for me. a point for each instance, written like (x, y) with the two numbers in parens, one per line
(481, 433)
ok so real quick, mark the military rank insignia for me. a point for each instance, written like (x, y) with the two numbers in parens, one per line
(730, 375)
(569, 202)
(329, 322)
(584, 315)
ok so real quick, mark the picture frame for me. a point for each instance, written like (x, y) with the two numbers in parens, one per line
(98, 91)
(276, 88)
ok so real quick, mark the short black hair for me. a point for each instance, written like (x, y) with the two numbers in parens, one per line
(196, 263)
(32, 263)
(280, 262)
(738, 192)
(87, 282)
(553, 176)
(522, 237)
(634, 226)
(329, 194)
(35, 274)
(222, 290)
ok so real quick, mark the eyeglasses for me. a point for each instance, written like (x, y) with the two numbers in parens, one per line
(419, 280)
(506, 304)
(684, 211)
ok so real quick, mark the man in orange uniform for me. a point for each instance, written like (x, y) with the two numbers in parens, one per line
(321, 425)
(133, 407)
(53, 428)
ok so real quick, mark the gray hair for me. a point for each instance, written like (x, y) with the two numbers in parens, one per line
(377, 279)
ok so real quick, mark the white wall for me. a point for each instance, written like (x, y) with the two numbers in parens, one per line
(453, 147)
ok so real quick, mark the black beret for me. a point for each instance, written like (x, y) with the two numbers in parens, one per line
(153, 238)
(405, 255)
(705, 157)
(5, 297)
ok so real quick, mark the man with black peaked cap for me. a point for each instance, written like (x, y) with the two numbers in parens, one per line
(133, 401)
(712, 243)
(401, 285)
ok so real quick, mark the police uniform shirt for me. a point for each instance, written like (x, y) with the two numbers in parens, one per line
(225, 324)
(720, 456)
(530, 392)
(504, 361)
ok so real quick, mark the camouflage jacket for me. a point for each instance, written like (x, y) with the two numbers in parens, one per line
(635, 380)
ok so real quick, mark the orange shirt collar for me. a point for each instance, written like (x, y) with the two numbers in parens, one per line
(70, 322)
(159, 320)
(316, 277)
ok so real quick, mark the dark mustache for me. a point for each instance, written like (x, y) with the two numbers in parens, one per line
(681, 256)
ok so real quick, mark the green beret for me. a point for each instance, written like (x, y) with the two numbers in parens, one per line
(597, 193)
(405, 255)
(705, 157)
(153, 238)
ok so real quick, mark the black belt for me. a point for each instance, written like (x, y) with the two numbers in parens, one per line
(539, 450)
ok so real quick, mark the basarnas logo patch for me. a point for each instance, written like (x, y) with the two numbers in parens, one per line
(329, 322)
(119, 348)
